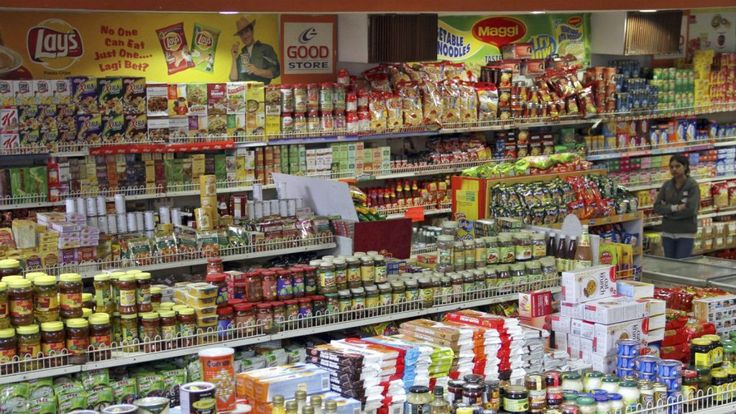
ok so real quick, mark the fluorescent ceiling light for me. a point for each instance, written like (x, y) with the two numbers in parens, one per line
(228, 12)
(539, 12)
(648, 11)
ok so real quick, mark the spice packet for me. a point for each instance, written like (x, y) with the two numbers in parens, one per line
(204, 45)
(124, 390)
(174, 45)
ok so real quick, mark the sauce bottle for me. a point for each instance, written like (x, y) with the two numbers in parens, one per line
(551, 247)
(570, 254)
(583, 253)
(560, 253)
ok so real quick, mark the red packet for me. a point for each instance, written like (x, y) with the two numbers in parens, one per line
(174, 44)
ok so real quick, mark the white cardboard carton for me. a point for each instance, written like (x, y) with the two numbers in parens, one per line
(634, 289)
(614, 310)
(607, 335)
(589, 284)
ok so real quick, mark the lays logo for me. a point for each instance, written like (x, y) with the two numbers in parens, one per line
(499, 31)
(172, 41)
(54, 44)
(575, 21)
(204, 40)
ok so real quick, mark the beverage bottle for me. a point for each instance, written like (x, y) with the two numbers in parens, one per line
(560, 253)
(278, 405)
(570, 254)
(551, 247)
(583, 253)
(439, 405)
(331, 407)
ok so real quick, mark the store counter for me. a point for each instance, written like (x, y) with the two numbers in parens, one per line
(697, 271)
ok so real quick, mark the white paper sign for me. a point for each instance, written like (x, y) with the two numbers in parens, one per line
(325, 197)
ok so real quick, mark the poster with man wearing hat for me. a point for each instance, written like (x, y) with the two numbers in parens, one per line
(253, 60)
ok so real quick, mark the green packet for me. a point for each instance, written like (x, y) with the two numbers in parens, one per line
(150, 384)
(42, 398)
(70, 394)
(91, 379)
(204, 45)
(14, 398)
(124, 390)
(100, 396)
(173, 379)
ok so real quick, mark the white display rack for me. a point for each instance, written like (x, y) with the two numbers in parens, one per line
(656, 184)
(711, 401)
(153, 263)
(662, 149)
(130, 193)
(135, 352)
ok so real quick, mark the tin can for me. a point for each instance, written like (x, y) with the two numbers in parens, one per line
(624, 362)
(120, 409)
(197, 398)
(647, 364)
(627, 347)
(92, 207)
(642, 376)
(672, 383)
(660, 394)
(669, 368)
(624, 372)
(152, 405)
(81, 206)
(646, 390)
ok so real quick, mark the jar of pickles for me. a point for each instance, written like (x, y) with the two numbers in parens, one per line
(367, 270)
(77, 340)
(9, 267)
(53, 343)
(326, 282)
(20, 298)
(45, 297)
(245, 318)
(458, 256)
(506, 250)
(100, 336)
(4, 320)
(29, 346)
(70, 295)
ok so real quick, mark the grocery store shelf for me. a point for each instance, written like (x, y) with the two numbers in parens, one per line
(649, 186)
(131, 353)
(655, 220)
(427, 212)
(665, 149)
(179, 260)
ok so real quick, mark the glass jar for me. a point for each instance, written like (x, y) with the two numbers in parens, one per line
(418, 400)
(284, 285)
(445, 251)
(371, 297)
(554, 397)
(411, 294)
(214, 265)
(493, 252)
(187, 321)
(149, 331)
(264, 316)
(169, 329)
(616, 402)
(469, 249)
(481, 251)
(367, 270)
(537, 401)
(291, 309)
(518, 276)
(77, 340)
(629, 391)
(522, 246)
(716, 353)
(326, 278)
(610, 384)
(729, 355)
(53, 343)
(549, 269)
(332, 303)
(449, 228)
(586, 405)
(156, 297)
(572, 381)
(225, 322)
(506, 249)
(70, 295)
(534, 381)
(268, 284)
(384, 292)
(353, 272)
(29, 346)
(491, 281)
(46, 299)
(426, 292)
(700, 353)
(88, 301)
(690, 387)
(539, 246)
(100, 336)
(515, 399)
(719, 383)
(534, 275)
(473, 394)
(468, 281)
(319, 305)
(20, 298)
(593, 380)
(341, 273)
(8, 350)
(398, 292)
(253, 287)
(4, 319)
(358, 299)
(310, 280)
(305, 307)
(127, 286)
(220, 281)
(458, 256)
(380, 269)
(245, 318)
(9, 267)
(345, 300)
(297, 281)
(480, 279)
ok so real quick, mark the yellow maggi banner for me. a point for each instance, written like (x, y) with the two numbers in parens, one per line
(165, 47)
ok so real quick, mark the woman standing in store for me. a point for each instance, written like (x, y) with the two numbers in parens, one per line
(678, 202)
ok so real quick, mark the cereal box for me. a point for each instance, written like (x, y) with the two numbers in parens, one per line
(89, 128)
(177, 95)
(255, 118)
(84, 94)
(135, 127)
(217, 124)
(158, 129)
(157, 100)
(24, 93)
(236, 125)
(28, 118)
(588, 284)
(236, 98)
(110, 96)
(113, 128)
(61, 91)
(197, 126)
(7, 92)
(216, 99)
(178, 128)
(9, 120)
(134, 95)
(204, 45)
(197, 97)
(9, 140)
(43, 92)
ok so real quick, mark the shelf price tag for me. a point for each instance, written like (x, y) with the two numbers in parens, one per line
(416, 214)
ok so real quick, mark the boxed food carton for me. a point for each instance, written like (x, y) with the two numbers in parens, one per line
(614, 310)
(655, 306)
(606, 336)
(585, 285)
(559, 323)
(535, 304)
(634, 289)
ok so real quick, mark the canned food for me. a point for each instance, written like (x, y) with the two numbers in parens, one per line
(672, 384)
(647, 364)
(643, 376)
(627, 347)
(624, 362)
(624, 372)
(669, 368)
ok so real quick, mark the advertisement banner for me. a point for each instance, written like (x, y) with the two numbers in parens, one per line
(162, 47)
(712, 30)
(478, 40)
(308, 48)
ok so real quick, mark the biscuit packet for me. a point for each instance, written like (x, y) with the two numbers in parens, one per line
(411, 104)
(204, 45)
(174, 45)
(487, 101)
(377, 107)
(450, 102)
(431, 103)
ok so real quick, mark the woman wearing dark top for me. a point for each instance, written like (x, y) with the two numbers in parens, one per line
(678, 202)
